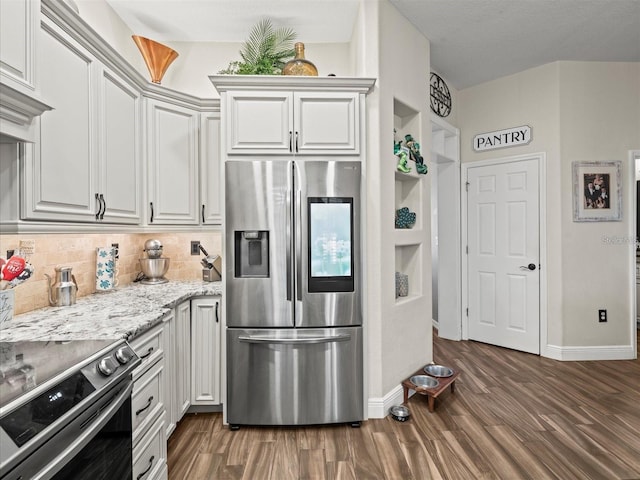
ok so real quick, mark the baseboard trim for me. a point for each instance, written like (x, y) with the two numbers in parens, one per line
(379, 407)
(611, 352)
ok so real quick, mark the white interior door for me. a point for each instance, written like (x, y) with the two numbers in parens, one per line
(503, 222)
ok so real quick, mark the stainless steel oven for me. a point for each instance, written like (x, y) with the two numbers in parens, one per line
(65, 410)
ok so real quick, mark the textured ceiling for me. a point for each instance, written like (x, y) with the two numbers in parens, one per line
(472, 41)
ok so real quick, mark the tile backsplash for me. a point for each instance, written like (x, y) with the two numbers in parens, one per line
(79, 252)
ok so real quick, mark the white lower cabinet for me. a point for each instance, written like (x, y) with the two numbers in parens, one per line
(205, 350)
(148, 405)
(150, 453)
(146, 400)
(182, 359)
(178, 364)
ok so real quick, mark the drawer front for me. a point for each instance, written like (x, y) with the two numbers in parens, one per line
(146, 400)
(150, 455)
(149, 347)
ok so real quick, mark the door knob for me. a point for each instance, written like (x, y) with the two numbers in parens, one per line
(531, 266)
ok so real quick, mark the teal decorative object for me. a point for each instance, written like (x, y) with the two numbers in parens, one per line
(414, 154)
(405, 218)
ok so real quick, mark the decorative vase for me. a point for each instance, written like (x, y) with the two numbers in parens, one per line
(158, 57)
(299, 65)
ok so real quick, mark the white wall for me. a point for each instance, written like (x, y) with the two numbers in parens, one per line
(599, 121)
(399, 336)
(196, 61)
(577, 111)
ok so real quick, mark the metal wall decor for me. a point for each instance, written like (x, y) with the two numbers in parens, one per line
(440, 96)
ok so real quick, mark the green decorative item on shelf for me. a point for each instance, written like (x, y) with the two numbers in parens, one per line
(402, 153)
(414, 154)
(265, 52)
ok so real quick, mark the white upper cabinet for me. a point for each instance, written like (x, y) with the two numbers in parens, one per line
(19, 20)
(18, 27)
(265, 122)
(283, 115)
(120, 176)
(61, 173)
(86, 165)
(172, 152)
(210, 169)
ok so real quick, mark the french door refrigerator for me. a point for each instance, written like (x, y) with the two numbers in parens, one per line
(293, 292)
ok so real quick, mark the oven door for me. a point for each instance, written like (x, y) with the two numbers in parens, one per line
(95, 445)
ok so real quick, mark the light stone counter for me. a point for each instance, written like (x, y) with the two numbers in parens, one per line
(122, 313)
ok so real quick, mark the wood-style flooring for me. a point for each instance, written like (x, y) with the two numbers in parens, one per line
(513, 416)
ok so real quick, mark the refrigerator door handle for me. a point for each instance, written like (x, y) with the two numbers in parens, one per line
(298, 223)
(294, 341)
(288, 244)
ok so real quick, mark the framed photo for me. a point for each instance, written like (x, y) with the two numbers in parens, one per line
(597, 191)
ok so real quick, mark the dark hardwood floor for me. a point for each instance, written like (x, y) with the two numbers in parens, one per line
(513, 416)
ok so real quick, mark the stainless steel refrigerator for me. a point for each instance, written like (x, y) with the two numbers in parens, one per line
(293, 292)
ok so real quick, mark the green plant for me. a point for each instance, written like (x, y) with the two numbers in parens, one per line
(265, 52)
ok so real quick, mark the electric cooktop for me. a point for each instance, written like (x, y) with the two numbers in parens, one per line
(25, 365)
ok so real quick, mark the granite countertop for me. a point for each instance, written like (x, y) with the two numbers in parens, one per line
(122, 313)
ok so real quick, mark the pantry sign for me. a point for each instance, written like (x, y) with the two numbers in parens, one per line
(509, 137)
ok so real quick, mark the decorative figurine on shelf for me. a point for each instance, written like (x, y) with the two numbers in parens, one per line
(405, 218)
(403, 155)
(414, 153)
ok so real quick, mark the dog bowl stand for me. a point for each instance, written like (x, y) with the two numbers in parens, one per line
(432, 393)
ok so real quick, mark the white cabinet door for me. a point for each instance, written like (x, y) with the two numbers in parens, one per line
(86, 166)
(205, 351)
(286, 123)
(61, 173)
(182, 359)
(210, 169)
(259, 122)
(120, 176)
(172, 149)
(18, 29)
(170, 374)
(326, 123)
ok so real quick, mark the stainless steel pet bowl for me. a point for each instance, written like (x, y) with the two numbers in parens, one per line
(438, 371)
(424, 381)
(399, 413)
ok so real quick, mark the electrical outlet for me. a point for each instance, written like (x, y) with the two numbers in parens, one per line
(195, 247)
(602, 316)
(116, 246)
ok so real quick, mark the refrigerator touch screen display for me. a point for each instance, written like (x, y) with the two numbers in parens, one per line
(330, 244)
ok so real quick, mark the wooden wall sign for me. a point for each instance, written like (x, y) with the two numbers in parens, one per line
(509, 137)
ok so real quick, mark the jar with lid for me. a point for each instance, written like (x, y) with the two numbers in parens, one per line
(299, 65)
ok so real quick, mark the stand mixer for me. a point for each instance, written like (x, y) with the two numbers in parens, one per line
(155, 265)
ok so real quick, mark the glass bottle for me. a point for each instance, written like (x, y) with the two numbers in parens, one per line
(299, 65)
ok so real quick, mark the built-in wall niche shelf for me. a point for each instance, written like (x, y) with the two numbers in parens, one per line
(409, 188)
(406, 120)
(445, 141)
(408, 193)
(408, 260)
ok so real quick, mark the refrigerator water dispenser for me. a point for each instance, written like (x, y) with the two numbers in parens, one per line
(252, 254)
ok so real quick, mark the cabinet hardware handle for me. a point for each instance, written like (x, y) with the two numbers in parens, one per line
(138, 412)
(151, 219)
(104, 206)
(99, 205)
(217, 318)
(290, 141)
(203, 213)
(142, 357)
(296, 142)
(142, 474)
